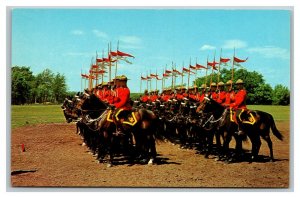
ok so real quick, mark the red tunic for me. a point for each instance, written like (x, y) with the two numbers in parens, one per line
(179, 96)
(202, 95)
(124, 98)
(229, 98)
(221, 97)
(240, 100)
(153, 98)
(165, 97)
(192, 96)
(110, 97)
(214, 96)
(144, 98)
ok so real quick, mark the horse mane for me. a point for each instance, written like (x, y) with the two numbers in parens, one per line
(93, 103)
(216, 108)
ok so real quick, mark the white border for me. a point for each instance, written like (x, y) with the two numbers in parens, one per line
(214, 4)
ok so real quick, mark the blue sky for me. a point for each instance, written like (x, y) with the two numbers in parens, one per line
(65, 40)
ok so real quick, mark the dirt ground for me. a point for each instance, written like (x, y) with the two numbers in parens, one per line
(54, 154)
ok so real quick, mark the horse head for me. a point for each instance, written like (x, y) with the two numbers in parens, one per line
(69, 110)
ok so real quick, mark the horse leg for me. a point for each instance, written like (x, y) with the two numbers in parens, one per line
(256, 143)
(224, 154)
(152, 150)
(270, 145)
(110, 152)
(209, 143)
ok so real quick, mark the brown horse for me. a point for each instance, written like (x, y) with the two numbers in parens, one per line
(260, 126)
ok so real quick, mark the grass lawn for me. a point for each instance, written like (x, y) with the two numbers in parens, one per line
(279, 113)
(22, 115)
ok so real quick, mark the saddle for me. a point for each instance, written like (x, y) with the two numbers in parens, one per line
(122, 116)
(244, 116)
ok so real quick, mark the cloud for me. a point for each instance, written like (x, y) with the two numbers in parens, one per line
(234, 43)
(207, 47)
(100, 34)
(77, 32)
(271, 52)
(130, 42)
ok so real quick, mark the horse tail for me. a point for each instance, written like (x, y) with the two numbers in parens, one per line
(275, 130)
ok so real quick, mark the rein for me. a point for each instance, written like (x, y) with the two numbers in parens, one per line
(210, 119)
(91, 121)
(85, 110)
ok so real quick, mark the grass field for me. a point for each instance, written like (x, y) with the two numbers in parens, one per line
(36, 114)
(280, 113)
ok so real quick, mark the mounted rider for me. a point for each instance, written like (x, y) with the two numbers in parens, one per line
(145, 98)
(229, 97)
(154, 96)
(193, 93)
(221, 93)
(239, 104)
(103, 93)
(166, 96)
(203, 92)
(122, 102)
(213, 93)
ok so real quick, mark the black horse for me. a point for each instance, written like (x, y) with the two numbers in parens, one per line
(143, 131)
(259, 127)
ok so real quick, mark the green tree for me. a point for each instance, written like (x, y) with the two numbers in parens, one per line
(252, 80)
(21, 85)
(281, 95)
(59, 88)
(44, 83)
(262, 94)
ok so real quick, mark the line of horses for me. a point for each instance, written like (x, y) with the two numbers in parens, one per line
(191, 124)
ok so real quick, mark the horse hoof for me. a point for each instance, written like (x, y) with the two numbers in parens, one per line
(109, 165)
(150, 162)
(218, 159)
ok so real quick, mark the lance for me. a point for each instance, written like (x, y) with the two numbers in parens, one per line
(182, 73)
(232, 70)
(90, 76)
(141, 84)
(219, 69)
(109, 69)
(156, 80)
(206, 71)
(117, 60)
(81, 80)
(150, 81)
(174, 75)
(96, 70)
(102, 67)
(85, 79)
(189, 73)
(172, 85)
(195, 76)
(162, 81)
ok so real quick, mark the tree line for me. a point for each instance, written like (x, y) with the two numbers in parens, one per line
(45, 87)
(258, 91)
